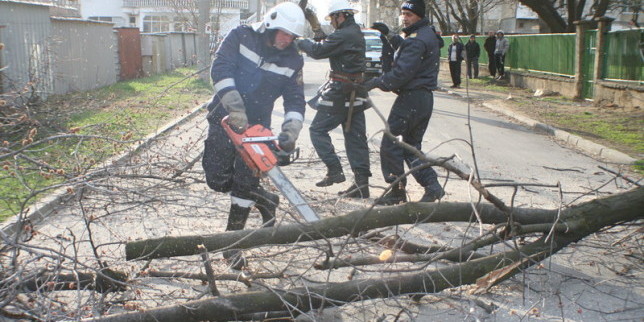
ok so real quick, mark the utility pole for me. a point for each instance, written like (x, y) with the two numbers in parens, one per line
(203, 39)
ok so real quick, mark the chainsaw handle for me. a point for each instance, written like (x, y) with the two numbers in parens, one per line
(285, 158)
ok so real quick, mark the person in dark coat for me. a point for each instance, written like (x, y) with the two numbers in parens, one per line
(455, 57)
(253, 67)
(490, 45)
(413, 77)
(340, 101)
(472, 53)
(390, 43)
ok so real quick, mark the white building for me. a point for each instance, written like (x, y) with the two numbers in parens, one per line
(165, 15)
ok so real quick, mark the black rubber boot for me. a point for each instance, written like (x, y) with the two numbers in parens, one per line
(432, 193)
(396, 195)
(236, 221)
(266, 203)
(359, 189)
(334, 174)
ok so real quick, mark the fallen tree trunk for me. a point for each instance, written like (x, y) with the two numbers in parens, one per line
(582, 220)
(350, 224)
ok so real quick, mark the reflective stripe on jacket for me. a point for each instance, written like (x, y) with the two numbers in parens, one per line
(244, 62)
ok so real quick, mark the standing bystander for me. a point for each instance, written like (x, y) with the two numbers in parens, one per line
(455, 57)
(490, 45)
(500, 50)
(472, 53)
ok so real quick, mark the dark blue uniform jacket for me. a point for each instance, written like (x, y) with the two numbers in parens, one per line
(244, 62)
(416, 61)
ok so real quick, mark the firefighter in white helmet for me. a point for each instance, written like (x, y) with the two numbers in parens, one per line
(340, 101)
(253, 67)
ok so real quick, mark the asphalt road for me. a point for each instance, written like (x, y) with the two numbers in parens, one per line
(505, 151)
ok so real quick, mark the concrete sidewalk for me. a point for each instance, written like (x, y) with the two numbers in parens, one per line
(595, 150)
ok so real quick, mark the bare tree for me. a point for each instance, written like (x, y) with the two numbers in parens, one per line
(460, 15)
(560, 15)
(632, 7)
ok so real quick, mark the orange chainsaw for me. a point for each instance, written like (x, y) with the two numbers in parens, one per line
(258, 148)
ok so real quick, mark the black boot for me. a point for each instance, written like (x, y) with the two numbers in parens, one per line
(396, 195)
(432, 193)
(266, 203)
(236, 221)
(359, 189)
(334, 174)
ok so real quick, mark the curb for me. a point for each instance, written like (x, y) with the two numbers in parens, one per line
(585, 145)
(48, 204)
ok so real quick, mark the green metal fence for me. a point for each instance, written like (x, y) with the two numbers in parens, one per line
(588, 64)
(555, 54)
(550, 53)
(624, 59)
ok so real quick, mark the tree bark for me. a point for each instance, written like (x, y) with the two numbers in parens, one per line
(582, 220)
(352, 223)
(547, 13)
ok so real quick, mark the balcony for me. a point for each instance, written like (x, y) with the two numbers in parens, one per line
(230, 4)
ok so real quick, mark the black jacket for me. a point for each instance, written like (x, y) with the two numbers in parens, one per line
(472, 50)
(490, 45)
(344, 48)
(459, 51)
(416, 62)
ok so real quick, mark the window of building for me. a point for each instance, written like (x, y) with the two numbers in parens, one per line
(133, 20)
(106, 19)
(156, 24)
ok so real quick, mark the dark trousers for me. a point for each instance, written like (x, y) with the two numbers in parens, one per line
(491, 64)
(225, 170)
(355, 141)
(473, 64)
(409, 118)
(499, 60)
(455, 71)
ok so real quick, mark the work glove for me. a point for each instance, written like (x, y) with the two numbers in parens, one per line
(370, 84)
(233, 103)
(319, 35)
(290, 131)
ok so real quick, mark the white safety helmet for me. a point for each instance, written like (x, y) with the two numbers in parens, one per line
(340, 6)
(286, 16)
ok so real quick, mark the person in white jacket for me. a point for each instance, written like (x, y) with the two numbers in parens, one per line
(502, 46)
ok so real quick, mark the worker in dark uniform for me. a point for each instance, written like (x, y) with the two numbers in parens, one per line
(340, 101)
(253, 67)
(413, 77)
(390, 43)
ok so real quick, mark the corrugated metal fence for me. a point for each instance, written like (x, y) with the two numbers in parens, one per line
(85, 55)
(550, 53)
(163, 52)
(45, 56)
(624, 55)
(25, 60)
